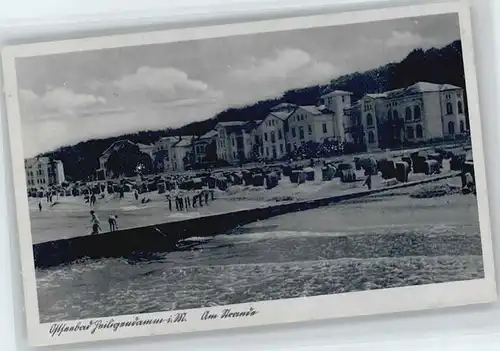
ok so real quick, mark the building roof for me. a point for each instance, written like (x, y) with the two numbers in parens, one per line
(283, 115)
(41, 159)
(336, 93)
(231, 123)
(209, 134)
(284, 106)
(184, 142)
(33, 161)
(429, 87)
(168, 138)
(251, 125)
(315, 110)
(144, 146)
(377, 95)
(419, 87)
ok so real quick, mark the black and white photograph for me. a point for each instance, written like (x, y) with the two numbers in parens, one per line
(249, 174)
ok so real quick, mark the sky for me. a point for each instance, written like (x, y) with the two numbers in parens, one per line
(73, 97)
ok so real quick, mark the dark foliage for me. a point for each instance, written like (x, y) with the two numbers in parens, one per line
(442, 65)
(125, 160)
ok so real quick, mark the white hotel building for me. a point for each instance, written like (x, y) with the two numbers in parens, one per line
(42, 172)
(339, 103)
(289, 126)
(310, 123)
(420, 112)
(272, 130)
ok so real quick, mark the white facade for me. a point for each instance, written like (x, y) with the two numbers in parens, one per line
(41, 172)
(339, 102)
(235, 140)
(225, 149)
(309, 123)
(273, 135)
(420, 112)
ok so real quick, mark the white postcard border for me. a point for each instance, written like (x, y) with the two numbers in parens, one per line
(268, 312)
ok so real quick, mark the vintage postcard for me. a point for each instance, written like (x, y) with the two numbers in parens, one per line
(249, 174)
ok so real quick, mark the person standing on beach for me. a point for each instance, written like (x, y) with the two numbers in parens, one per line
(40, 205)
(94, 221)
(169, 203)
(368, 180)
(206, 197)
(113, 224)
(92, 200)
(136, 195)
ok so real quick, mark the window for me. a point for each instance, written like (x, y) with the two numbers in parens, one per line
(343, 99)
(301, 133)
(309, 129)
(460, 107)
(449, 108)
(265, 136)
(274, 152)
(448, 96)
(389, 115)
(294, 134)
(395, 115)
(407, 114)
(417, 113)
(325, 130)
(419, 131)
(256, 139)
(281, 148)
(462, 127)
(273, 137)
(267, 151)
(409, 133)
(371, 137)
(280, 134)
(369, 119)
(451, 128)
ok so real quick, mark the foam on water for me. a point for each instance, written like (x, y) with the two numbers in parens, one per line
(449, 229)
(105, 292)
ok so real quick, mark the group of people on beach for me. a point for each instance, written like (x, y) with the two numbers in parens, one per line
(186, 202)
(96, 225)
(50, 199)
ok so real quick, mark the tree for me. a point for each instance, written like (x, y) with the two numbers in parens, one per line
(124, 161)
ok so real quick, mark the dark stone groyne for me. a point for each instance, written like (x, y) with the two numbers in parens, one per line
(144, 242)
